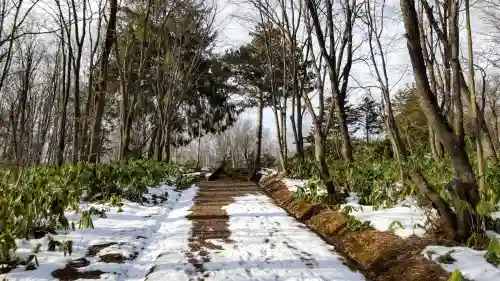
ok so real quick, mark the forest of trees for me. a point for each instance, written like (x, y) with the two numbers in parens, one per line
(106, 80)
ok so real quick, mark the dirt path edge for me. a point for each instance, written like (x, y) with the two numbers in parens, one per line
(381, 256)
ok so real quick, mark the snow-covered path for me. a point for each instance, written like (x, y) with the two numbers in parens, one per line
(270, 245)
(261, 242)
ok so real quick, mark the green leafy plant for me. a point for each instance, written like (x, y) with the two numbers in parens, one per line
(474, 241)
(456, 276)
(447, 258)
(395, 225)
(85, 220)
(348, 209)
(96, 212)
(493, 252)
(31, 262)
(54, 245)
(355, 225)
(67, 247)
(116, 201)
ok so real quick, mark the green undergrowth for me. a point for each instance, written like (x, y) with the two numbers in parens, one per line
(378, 179)
(34, 198)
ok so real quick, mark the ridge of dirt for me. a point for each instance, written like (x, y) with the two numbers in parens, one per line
(381, 256)
(210, 220)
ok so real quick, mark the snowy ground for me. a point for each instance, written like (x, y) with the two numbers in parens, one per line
(293, 185)
(141, 233)
(270, 245)
(406, 217)
(153, 240)
(470, 262)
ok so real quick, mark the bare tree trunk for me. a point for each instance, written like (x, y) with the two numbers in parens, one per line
(455, 65)
(473, 98)
(320, 155)
(260, 114)
(159, 143)
(280, 138)
(466, 189)
(102, 85)
(77, 120)
(347, 154)
(336, 53)
(300, 137)
(23, 99)
(66, 82)
(168, 140)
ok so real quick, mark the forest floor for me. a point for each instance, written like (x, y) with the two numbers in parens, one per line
(226, 229)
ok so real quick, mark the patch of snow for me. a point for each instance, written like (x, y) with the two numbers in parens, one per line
(492, 234)
(137, 228)
(270, 245)
(352, 198)
(171, 243)
(470, 262)
(407, 213)
(266, 173)
(293, 185)
(125, 250)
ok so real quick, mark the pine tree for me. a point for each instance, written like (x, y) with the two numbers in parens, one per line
(370, 119)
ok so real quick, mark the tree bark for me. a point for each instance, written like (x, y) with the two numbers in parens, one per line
(258, 149)
(320, 155)
(66, 82)
(455, 66)
(347, 154)
(95, 143)
(466, 189)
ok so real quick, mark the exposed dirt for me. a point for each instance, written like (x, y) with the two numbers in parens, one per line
(39, 232)
(116, 258)
(93, 250)
(70, 272)
(209, 220)
(381, 256)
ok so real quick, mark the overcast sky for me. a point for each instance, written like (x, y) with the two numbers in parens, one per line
(234, 32)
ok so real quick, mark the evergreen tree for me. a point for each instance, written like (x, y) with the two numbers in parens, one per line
(369, 114)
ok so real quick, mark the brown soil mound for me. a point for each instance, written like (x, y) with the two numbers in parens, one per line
(382, 256)
(92, 251)
(70, 272)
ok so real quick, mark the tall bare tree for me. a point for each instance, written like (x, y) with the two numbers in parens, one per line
(459, 225)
